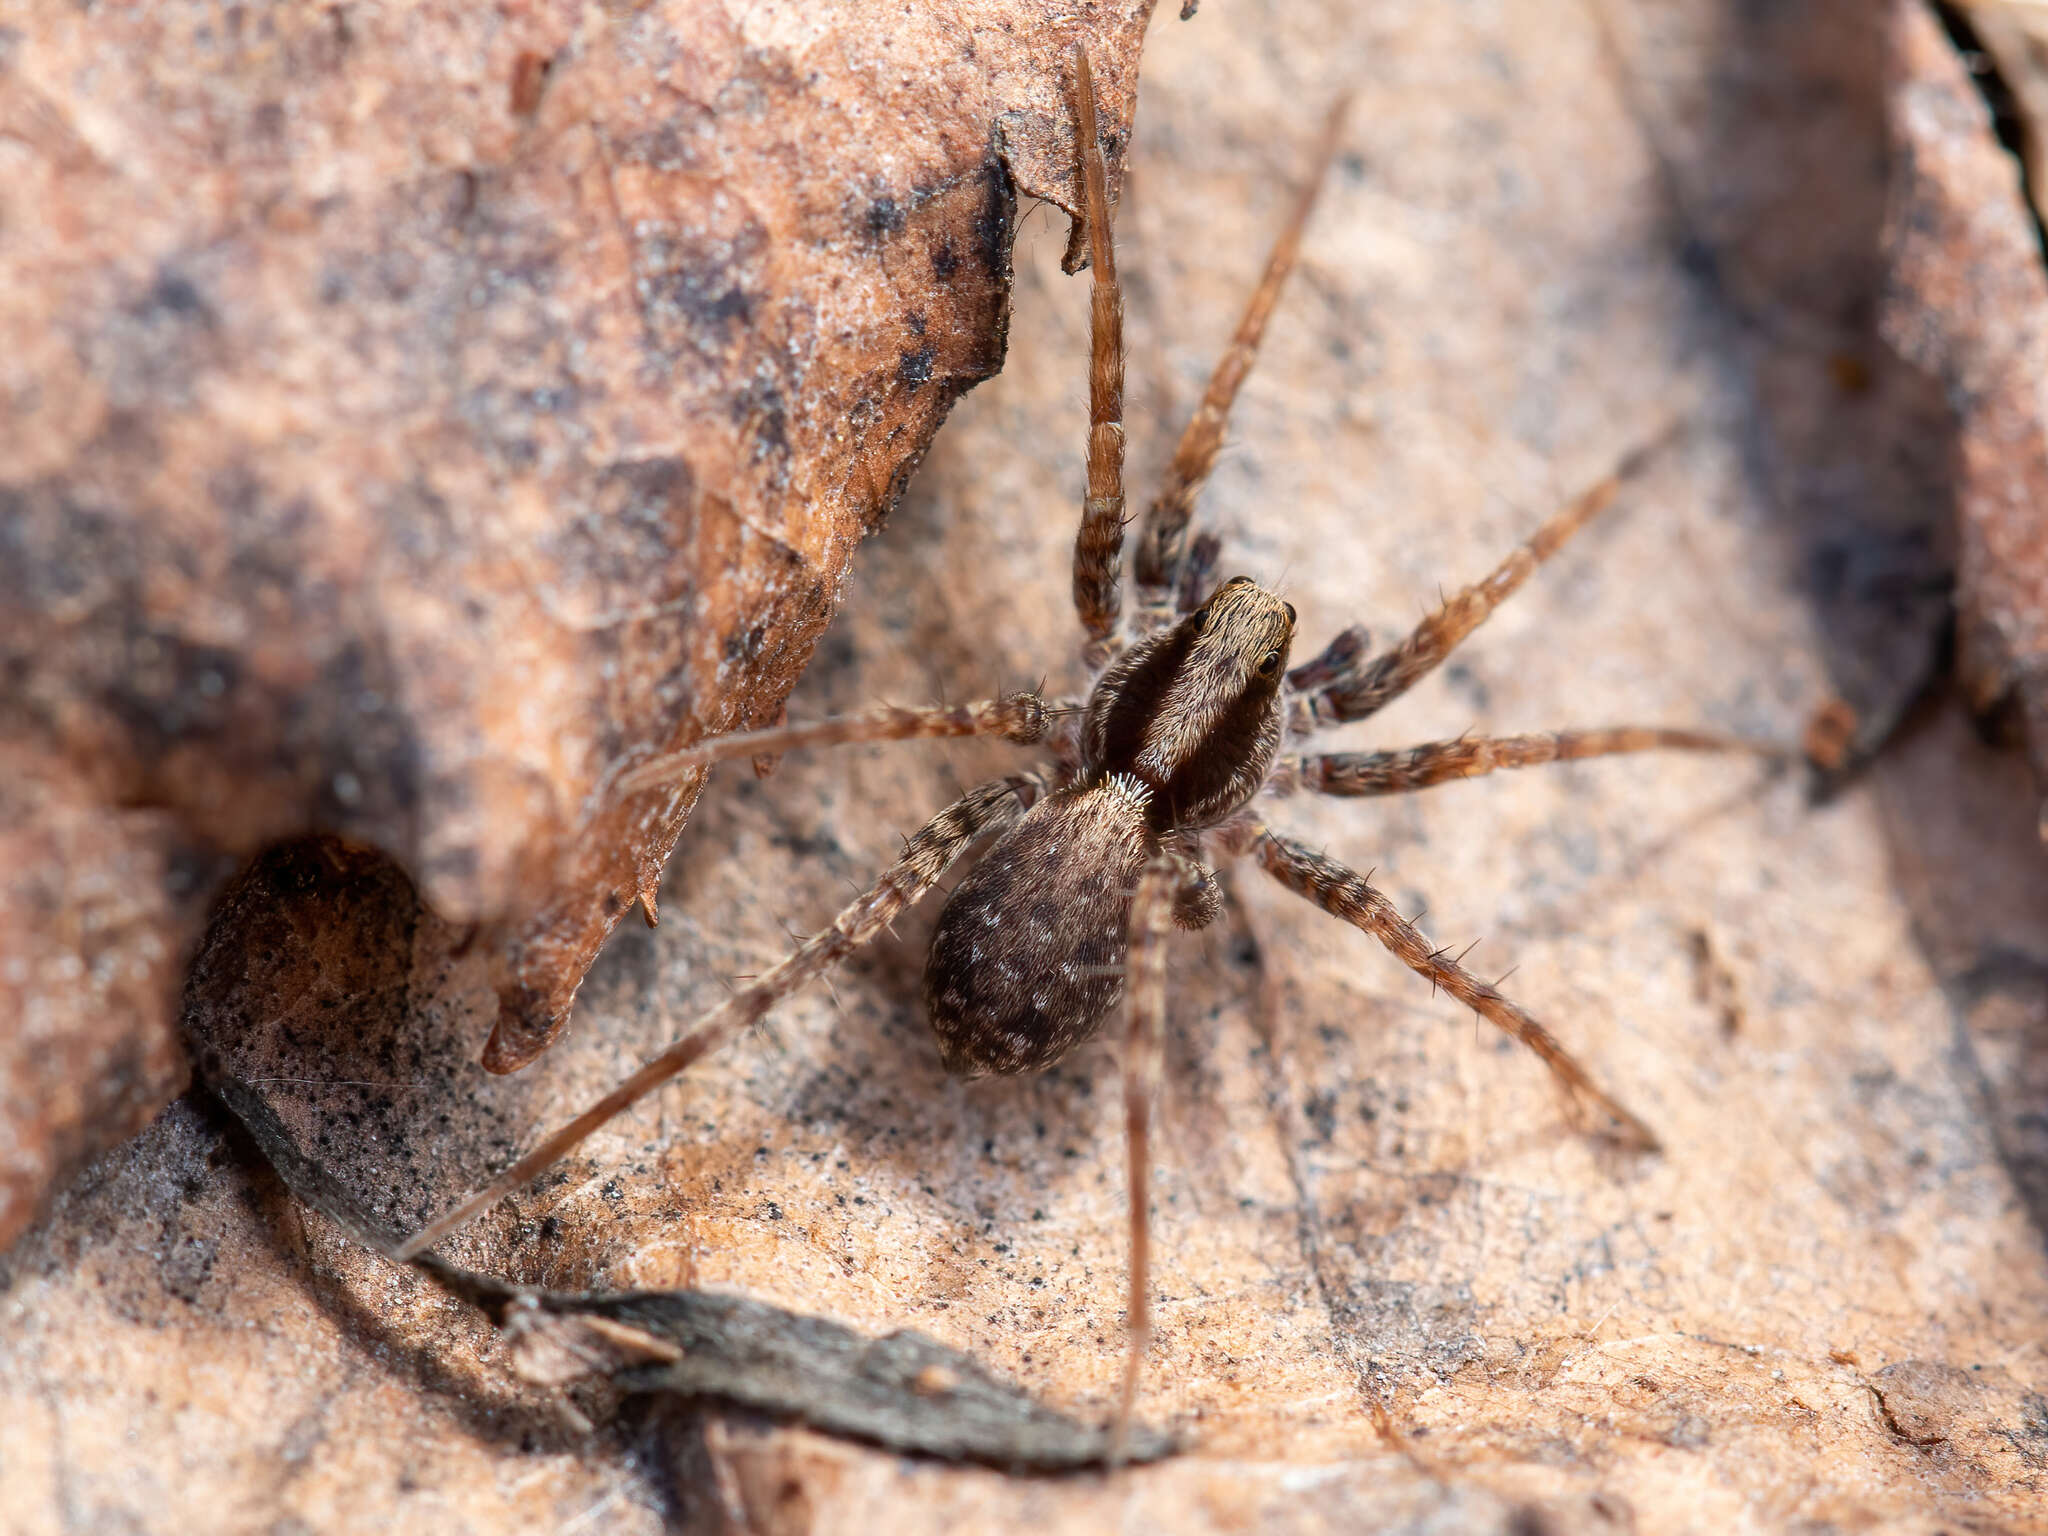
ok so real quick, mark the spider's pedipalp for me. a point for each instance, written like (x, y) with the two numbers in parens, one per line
(930, 852)
(1343, 893)
(1162, 540)
(1198, 896)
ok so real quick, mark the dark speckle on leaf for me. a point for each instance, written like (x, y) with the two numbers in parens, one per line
(993, 227)
(884, 217)
(175, 294)
(915, 368)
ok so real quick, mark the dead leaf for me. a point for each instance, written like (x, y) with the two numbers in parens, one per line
(1967, 300)
(410, 420)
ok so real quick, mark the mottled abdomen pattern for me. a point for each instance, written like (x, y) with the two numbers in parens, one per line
(1028, 956)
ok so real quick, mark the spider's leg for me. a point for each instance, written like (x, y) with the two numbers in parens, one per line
(1019, 717)
(927, 856)
(1151, 920)
(1099, 546)
(1344, 893)
(1341, 684)
(1162, 541)
(1358, 774)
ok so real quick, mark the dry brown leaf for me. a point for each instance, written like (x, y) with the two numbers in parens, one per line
(1554, 227)
(411, 418)
(1968, 301)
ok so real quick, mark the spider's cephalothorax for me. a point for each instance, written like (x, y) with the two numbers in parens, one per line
(1194, 712)
(1180, 731)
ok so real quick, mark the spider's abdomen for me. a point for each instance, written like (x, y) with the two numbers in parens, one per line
(1028, 956)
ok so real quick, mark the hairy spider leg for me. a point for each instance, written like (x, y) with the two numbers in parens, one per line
(926, 856)
(1344, 893)
(1018, 717)
(1343, 685)
(1150, 922)
(1361, 774)
(1099, 546)
(1162, 538)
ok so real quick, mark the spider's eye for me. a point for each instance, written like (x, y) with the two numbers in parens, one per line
(1238, 581)
(1269, 663)
(1291, 614)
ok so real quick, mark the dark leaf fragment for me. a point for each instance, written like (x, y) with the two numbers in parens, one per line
(905, 1391)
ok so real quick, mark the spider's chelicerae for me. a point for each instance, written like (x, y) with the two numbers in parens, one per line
(1192, 717)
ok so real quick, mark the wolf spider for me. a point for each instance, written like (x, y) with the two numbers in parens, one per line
(1191, 716)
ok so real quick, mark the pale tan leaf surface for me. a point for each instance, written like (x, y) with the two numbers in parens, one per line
(1553, 228)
